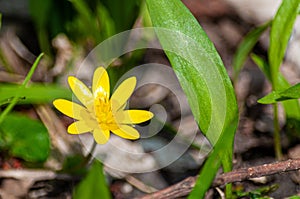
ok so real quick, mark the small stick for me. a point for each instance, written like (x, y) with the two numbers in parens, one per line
(184, 187)
(180, 189)
(257, 171)
(139, 184)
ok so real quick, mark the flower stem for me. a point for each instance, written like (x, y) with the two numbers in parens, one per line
(90, 156)
(277, 144)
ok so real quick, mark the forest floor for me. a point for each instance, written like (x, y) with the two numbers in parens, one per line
(253, 144)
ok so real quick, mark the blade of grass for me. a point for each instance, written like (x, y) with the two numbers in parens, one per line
(24, 84)
(123, 13)
(39, 11)
(88, 19)
(246, 46)
(281, 30)
(107, 25)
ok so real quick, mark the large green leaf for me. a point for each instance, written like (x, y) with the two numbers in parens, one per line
(281, 30)
(35, 93)
(246, 46)
(203, 78)
(24, 138)
(93, 185)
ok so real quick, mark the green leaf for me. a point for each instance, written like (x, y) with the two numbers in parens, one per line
(93, 185)
(25, 138)
(203, 78)
(246, 47)
(212, 164)
(107, 25)
(34, 94)
(294, 197)
(123, 13)
(262, 65)
(270, 98)
(265, 68)
(258, 193)
(74, 164)
(292, 92)
(291, 107)
(281, 30)
(87, 19)
(0, 20)
(40, 11)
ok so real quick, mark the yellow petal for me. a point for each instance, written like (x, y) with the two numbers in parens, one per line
(133, 116)
(101, 137)
(79, 127)
(71, 109)
(122, 94)
(127, 132)
(80, 90)
(101, 81)
(123, 107)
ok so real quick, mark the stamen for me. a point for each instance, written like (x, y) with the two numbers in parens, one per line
(103, 112)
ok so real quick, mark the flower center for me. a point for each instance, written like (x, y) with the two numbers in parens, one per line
(103, 112)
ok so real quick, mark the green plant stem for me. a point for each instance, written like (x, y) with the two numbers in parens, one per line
(277, 143)
(227, 167)
(86, 160)
(90, 156)
(24, 84)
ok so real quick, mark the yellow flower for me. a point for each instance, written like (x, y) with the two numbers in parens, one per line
(100, 114)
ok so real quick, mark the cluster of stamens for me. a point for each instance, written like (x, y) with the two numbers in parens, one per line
(103, 112)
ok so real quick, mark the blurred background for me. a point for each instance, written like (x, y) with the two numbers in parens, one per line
(66, 31)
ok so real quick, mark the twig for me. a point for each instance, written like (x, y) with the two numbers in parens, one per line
(10, 77)
(56, 130)
(34, 175)
(184, 187)
(257, 171)
(139, 184)
(180, 189)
